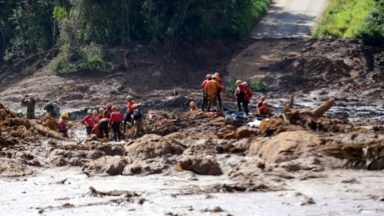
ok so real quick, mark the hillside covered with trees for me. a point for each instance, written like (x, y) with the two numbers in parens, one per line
(80, 27)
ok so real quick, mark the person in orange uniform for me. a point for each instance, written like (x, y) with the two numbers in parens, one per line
(89, 122)
(114, 122)
(108, 111)
(130, 109)
(211, 89)
(218, 79)
(248, 93)
(205, 96)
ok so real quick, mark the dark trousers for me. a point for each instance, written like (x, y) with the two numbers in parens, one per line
(128, 118)
(116, 131)
(219, 99)
(205, 102)
(103, 129)
(89, 130)
(240, 100)
(245, 105)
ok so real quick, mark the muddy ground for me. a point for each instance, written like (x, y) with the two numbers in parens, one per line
(198, 163)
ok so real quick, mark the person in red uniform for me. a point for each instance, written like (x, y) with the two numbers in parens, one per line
(114, 122)
(218, 79)
(240, 94)
(102, 128)
(205, 96)
(95, 116)
(108, 111)
(247, 96)
(262, 107)
(89, 122)
(62, 124)
(130, 109)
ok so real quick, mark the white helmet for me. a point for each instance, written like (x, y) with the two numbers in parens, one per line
(129, 97)
(89, 111)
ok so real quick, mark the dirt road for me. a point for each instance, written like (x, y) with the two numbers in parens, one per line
(290, 19)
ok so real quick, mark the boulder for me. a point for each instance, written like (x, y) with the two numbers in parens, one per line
(200, 165)
(107, 165)
(244, 132)
(284, 146)
(13, 168)
(151, 146)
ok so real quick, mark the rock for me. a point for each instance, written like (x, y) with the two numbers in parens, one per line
(284, 146)
(13, 168)
(151, 146)
(107, 165)
(200, 165)
(244, 132)
(307, 201)
(140, 167)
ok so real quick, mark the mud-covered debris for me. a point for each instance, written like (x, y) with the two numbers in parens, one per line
(107, 165)
(203, 165)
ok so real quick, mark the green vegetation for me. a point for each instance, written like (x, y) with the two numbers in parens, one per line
(29, 27)
(353, 19)
(255, 85)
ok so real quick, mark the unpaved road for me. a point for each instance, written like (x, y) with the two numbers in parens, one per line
(290, 19)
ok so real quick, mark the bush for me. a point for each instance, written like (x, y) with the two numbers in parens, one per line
(372, 32)
(344, 18)
(88, 59)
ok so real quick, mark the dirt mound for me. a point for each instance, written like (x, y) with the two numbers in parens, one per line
(13, 168)
(344, 65)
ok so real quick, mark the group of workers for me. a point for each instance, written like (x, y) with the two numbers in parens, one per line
(212, 87)
(98, 122)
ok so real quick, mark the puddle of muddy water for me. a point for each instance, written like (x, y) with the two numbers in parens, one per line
(27, 196)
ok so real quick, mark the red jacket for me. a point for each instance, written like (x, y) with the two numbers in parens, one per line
(203, 84)
(107, 113)
(248, 94)
(115, 117)
(96, 119)
(130, 107)
(88, 121)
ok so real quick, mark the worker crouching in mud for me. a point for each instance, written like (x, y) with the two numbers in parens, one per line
(62, 124)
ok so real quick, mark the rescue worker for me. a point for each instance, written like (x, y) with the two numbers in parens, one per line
(130, 109)
(108, 111)
(95, 116)
(30, 103)
(103, 128)
(211, 89)
(247, 97)
(89, 122)
(205, 96)
(240, 94)
(192, 106)
(62, 124)
(53, 109)
(114, 122)
(137, 121)
(262, 107)
(218, 79)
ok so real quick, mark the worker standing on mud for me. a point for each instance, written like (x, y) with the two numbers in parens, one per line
(218, 79)
(89, 122)
(30, 103)
(211, 89)
(247, 96)
(114, 122)
(137, 121)
(62, 124)
(240, 95)
(130, 109)
(205, 96)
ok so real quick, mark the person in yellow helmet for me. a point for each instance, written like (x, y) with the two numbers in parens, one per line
(62, 124)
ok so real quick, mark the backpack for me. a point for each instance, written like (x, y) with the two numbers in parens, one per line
(136, 114)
